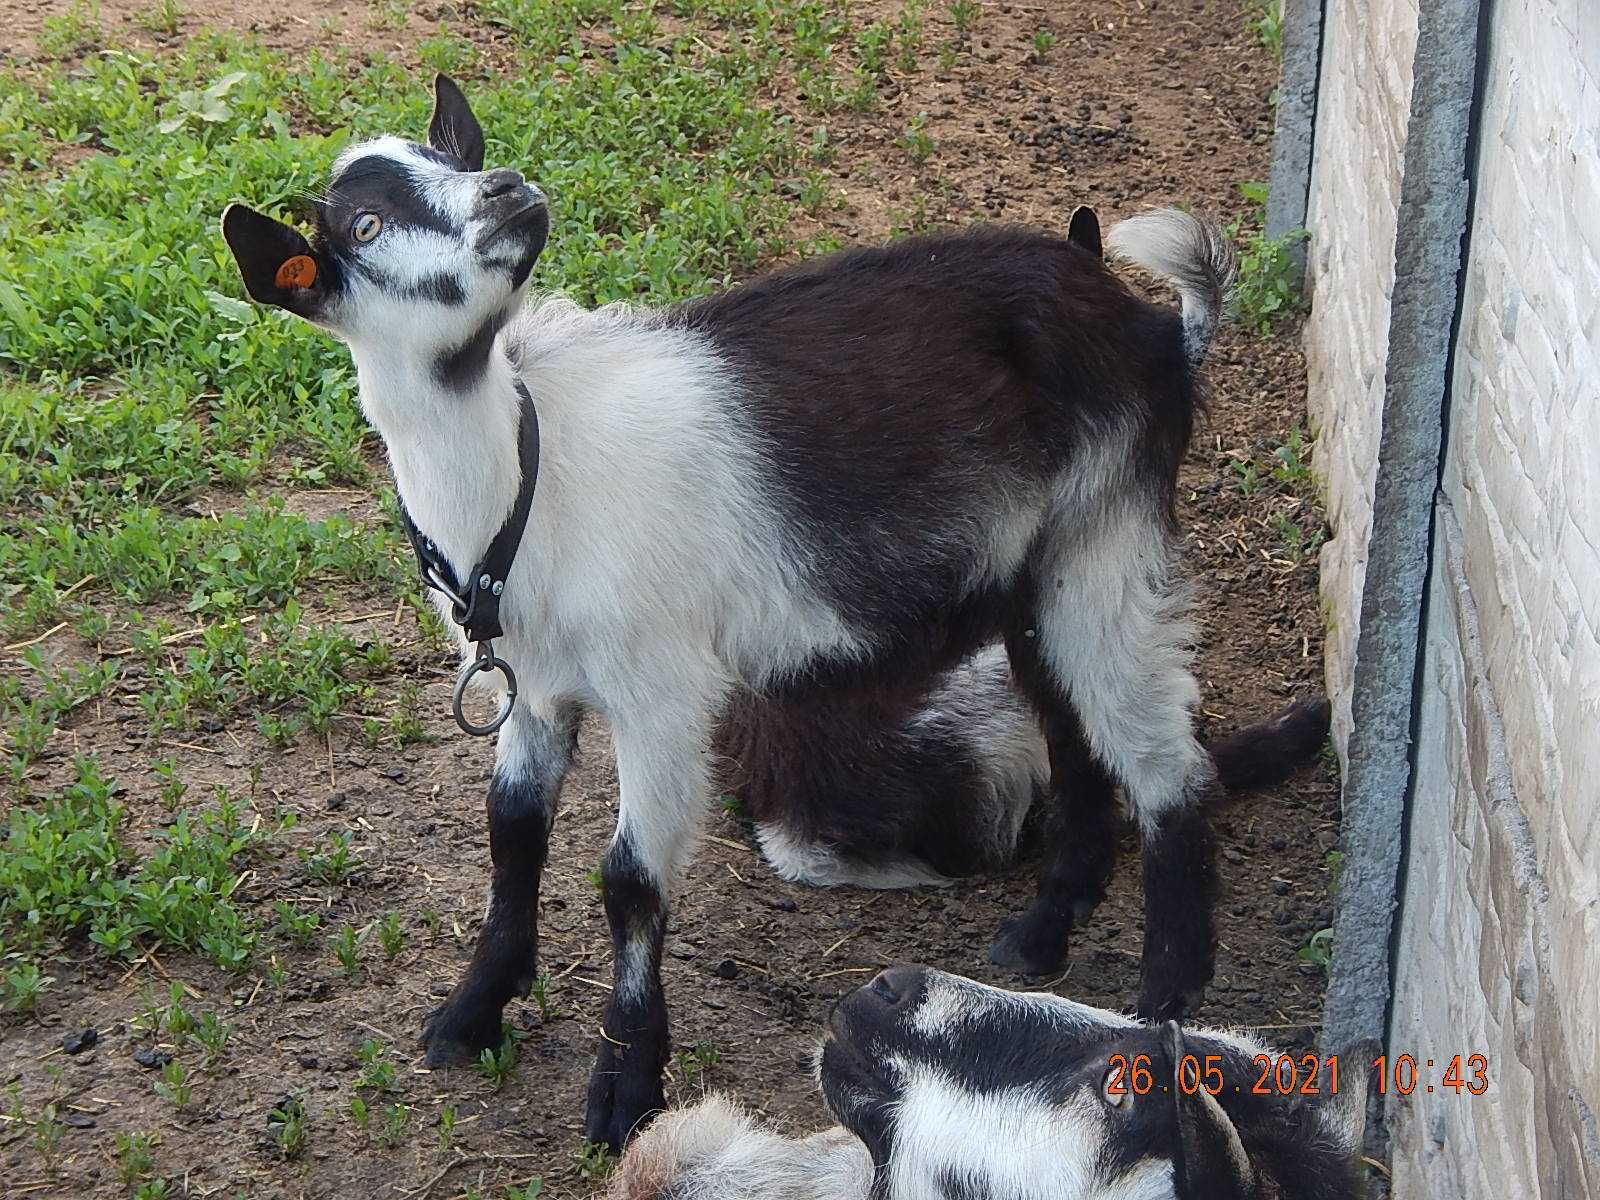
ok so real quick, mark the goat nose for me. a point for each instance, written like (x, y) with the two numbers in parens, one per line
(500, 181)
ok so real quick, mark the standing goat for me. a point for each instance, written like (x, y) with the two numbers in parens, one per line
(858, 469)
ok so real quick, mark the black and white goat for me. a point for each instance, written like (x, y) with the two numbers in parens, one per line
(843, 474)
(951, 1090)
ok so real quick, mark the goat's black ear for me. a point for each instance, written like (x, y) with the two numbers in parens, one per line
(1209, 1162)
(1084, 229)
(277, 264)
(454, 130)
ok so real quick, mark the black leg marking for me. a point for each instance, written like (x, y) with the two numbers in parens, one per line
(1080, 829)
(1180, 888)
(625, 1089)
(522, 800)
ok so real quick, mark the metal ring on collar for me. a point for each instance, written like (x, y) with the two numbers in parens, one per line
(486, 661)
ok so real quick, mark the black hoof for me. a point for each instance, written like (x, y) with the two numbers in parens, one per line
(1024, 947)
(619, 1107)
(1168, 1004)
(454, 1040)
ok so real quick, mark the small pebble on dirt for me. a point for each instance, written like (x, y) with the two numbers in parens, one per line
(151, 1059)
(80, 1040)
(727, 969)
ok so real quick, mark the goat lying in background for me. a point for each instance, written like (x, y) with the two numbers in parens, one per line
(851, 472)
(951, 1090)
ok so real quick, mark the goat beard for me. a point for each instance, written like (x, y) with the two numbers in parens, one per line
(714, 1150)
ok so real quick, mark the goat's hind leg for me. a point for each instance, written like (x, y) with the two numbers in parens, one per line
(531, 759)
(1079, 827)
(1110, 628)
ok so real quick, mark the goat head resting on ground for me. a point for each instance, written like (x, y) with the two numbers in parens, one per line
(948, 1089)
(842, 475)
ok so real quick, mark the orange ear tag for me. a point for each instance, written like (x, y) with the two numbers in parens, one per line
(298, 272)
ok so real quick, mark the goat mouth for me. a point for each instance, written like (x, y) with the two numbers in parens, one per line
(528, 215)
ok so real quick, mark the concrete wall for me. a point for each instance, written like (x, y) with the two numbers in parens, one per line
(1365, 93)
(1498, 942)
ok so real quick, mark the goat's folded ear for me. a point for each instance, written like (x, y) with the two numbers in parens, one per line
(277, 264)
(1210, 1162)
(453, 129)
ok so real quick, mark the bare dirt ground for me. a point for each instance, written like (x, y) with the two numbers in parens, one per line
(1138, 102)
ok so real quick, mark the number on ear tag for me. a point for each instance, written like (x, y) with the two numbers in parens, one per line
(298, 272)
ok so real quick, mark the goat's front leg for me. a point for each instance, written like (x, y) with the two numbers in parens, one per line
(662, 770)
(531, 759)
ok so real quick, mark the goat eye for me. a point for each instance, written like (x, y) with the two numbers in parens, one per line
(366, 227)
(1114, 1087)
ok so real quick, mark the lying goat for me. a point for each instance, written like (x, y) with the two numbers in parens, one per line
(950, 1090)
(858, 469)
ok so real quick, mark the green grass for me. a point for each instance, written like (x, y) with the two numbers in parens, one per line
(1268, 292)
(66, 870)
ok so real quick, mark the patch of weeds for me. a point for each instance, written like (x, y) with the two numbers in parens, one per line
(165, 17)
(1249, 474)
(948, 54)
(696, 1063)
(1291, 464)
(298, 924)
(1043, 41)
(1318, 950)
(396, 1126)
(335, 862)
(135, 1157)
(21, 987)
(377, 1070)
(1295, 539)
(153, 1189)
(290, 1134)
(447, 1128)
(594, 1162)
(212, 1036)
(917, 140)
(531, 1190)
(360, 1114)
(908, 28)
(964, 15)
(47, 1131)
(391, 935)
(174, 1085)
(1268, 25)
(1334, 861)
(497, 1064)
(65, 869)
(177, 1019)
(171, 789)
(549, 1010)
(73, 32)
(872, 49)
(1267, 293)
(347, 949)
(597, 880)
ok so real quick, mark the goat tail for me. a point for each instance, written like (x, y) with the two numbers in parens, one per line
(1190, 253)
(1269, 751)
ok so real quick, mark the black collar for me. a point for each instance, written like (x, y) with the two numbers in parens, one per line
(476, 600)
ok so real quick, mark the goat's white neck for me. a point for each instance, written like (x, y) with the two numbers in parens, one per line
(453, 449)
